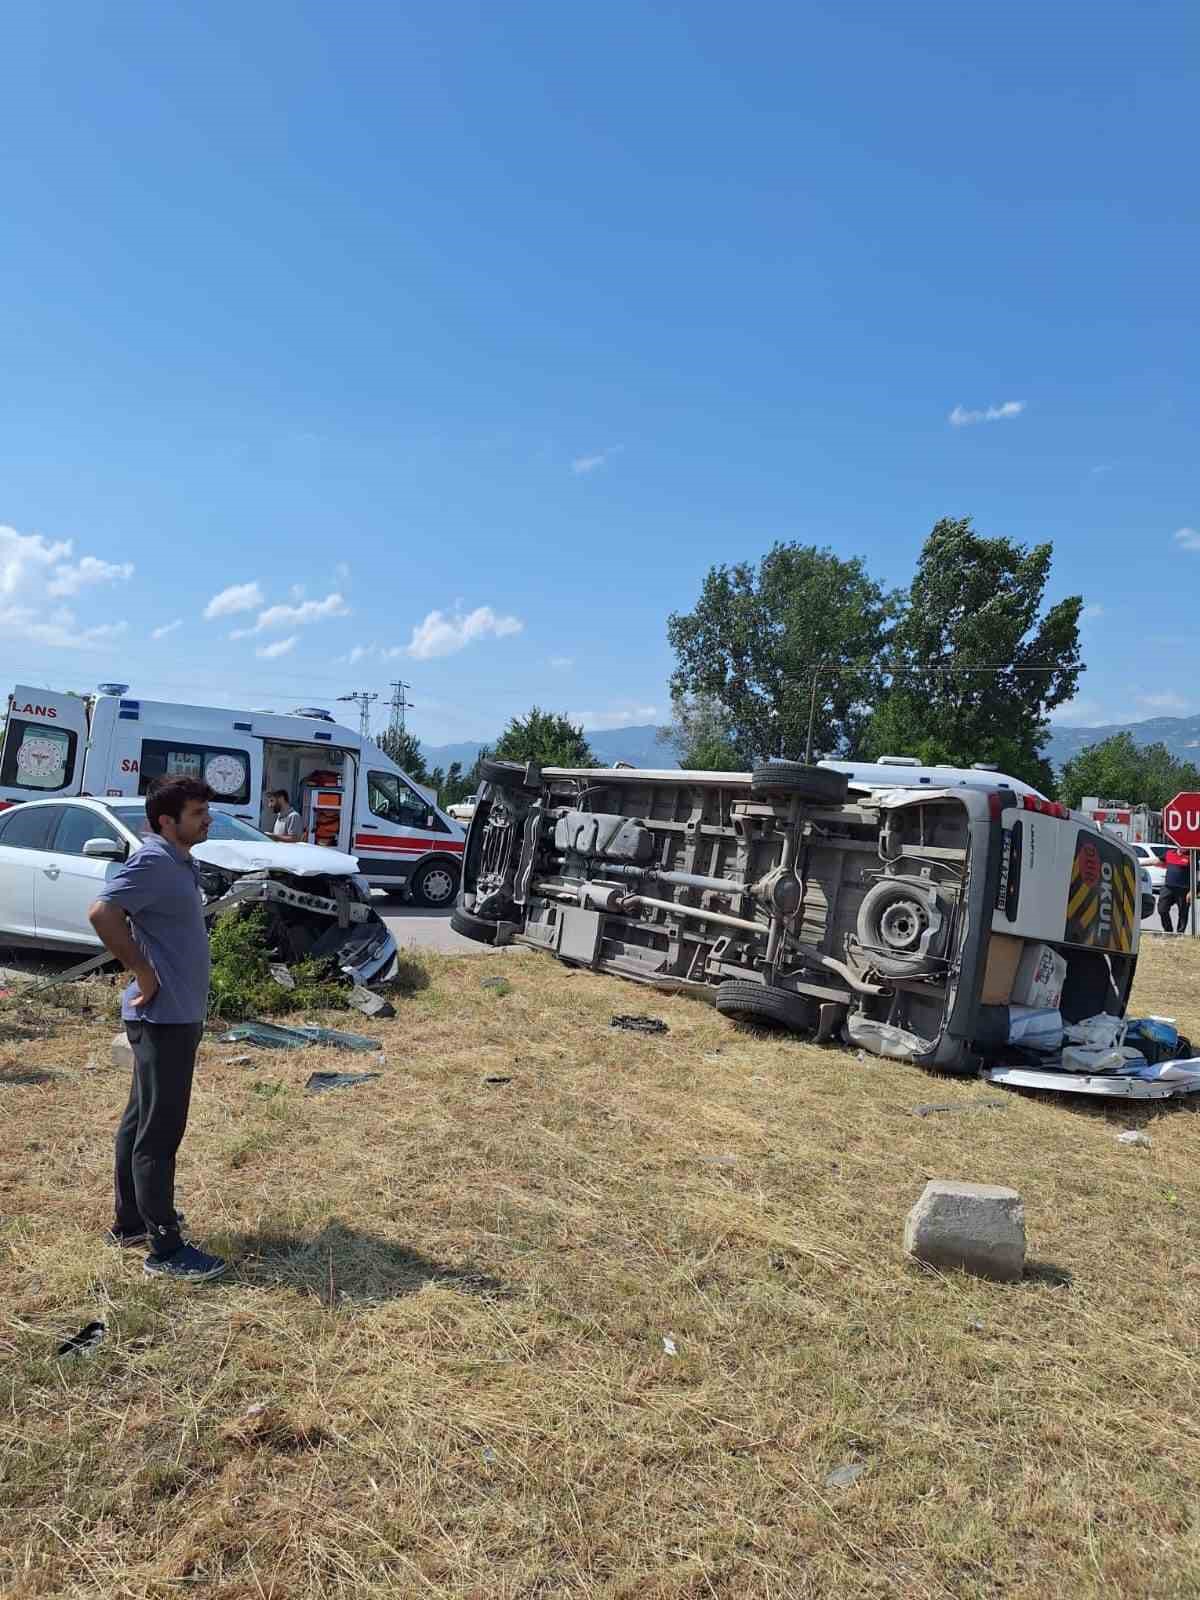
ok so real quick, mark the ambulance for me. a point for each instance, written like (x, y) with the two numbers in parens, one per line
(350, 796)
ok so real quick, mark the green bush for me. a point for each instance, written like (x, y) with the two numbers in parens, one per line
(241, 985)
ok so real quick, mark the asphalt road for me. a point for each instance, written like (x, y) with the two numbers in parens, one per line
(430, 930)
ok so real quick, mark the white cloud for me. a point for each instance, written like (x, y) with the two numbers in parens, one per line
(1165, 700)
(562, 663)
(597, 720)
(168, 627)
(961, 418)
(1187, 538)
(33, 568)
(89, 569)
(281, 647)
(301, 615)
(238, 597)
(1092, 613)
(582, 465)
(445, 635)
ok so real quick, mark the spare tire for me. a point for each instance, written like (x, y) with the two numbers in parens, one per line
(473, 927)
(893, 919)
(787, 778)
(743, 1000)
(504, 774)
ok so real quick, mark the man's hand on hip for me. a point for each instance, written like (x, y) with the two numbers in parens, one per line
(148, 985)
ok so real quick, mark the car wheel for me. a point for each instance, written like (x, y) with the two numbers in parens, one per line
(435, 885)
(788, 778)
(473, 927)
(742, 1000)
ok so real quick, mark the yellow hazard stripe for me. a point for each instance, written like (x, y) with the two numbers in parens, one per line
(1077, 899)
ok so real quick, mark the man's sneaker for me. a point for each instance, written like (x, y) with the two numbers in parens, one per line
(126, 1238)
(186, 1265)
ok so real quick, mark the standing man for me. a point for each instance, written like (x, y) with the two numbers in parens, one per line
(150, 915)
(288, 827)
(1175, 890)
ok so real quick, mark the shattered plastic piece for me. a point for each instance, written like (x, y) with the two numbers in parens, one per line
(273, 1037)
(281, 975)
(495, 983)
(83, 1342)
(320, 1081)
(843, 1477)
(640, 1024)
(490, 1457)
(961, 1105)
(669, 1346)
(497, 1078)
(1134, 1136)
(372, 1005)
(237, 1061)
(883, 1039)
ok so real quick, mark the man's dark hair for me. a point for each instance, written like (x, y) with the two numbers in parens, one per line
(281, 794)
(166, 797)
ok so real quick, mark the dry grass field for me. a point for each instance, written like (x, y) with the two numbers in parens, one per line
(439, 1367)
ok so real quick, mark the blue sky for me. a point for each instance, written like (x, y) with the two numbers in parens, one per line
(468, 337)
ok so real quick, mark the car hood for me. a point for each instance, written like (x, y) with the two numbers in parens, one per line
(300, 860)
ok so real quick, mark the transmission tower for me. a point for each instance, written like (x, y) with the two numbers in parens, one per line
(365, 700)
(400, 704)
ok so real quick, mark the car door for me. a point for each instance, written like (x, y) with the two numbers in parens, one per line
(44, 743)
(70, 881)
(396, 828)
(24, 833)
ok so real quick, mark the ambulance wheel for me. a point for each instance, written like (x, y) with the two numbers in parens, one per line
(434, 885)
(819, 785)
(742, 1000)
(473, 927)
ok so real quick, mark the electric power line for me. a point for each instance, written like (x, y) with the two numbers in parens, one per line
(400, 704)
(364, 699)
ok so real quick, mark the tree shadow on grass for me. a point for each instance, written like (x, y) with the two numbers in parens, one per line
(341, 1265)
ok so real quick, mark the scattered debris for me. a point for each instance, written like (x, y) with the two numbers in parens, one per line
(85, 1341)
(670, 1348)
(640, 1024)
(238, 1061)
(975, 1227)
(274, 1037)
(320, 1081)
(1134, 1136)
(501, 985)
(122, 1053)
(860, 1055)
(490, 1457)
(718, 1161)
(961, 1105)
(371, 1005)
(975, 1327)
(843, 1477)
(496, 1077)
(281, 975)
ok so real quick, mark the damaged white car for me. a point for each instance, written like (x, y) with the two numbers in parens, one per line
(56, 854)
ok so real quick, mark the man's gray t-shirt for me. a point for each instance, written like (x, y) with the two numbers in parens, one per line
(159, 890)
(288, 827)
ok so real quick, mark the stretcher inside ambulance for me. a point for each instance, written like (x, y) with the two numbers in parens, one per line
(350, 796)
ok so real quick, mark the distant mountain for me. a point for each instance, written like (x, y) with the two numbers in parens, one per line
(637, 745)
(1181, 735)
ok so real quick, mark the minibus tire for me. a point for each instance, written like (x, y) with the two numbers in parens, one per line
(820, 785)
(743, 1000)
(503, 774)
(473, 927)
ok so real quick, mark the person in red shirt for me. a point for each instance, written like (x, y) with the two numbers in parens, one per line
(1175, 890)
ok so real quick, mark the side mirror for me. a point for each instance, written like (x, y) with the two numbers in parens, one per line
(104, 850)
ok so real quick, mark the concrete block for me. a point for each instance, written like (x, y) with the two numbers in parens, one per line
(976, 1227)
(122, 1053)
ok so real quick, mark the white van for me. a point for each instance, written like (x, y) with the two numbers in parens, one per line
(349, 795)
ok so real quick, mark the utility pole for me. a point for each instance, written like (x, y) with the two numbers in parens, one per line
(400, 704)
(364, 700)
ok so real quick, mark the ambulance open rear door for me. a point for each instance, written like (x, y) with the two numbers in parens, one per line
(45, 741)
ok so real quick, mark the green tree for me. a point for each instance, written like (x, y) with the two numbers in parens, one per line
(545, 737)
(457, 785)
(975, 605)
(759, 638)
(404, 749)
(701, 737)
(1118, 769)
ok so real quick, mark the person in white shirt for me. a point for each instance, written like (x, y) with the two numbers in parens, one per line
(288, 827)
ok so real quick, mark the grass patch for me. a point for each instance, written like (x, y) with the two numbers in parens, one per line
(439, 1367)
(242, 986)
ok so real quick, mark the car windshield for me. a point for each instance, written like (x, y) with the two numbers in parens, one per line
(223, 827)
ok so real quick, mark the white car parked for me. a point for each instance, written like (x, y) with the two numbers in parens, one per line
(463, 810)
(56, 854)
(1153, 858)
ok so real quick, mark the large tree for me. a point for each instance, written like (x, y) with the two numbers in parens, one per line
(1118, 769)
(700, 736)
(759, 638)
(976, 664)
(545, 737)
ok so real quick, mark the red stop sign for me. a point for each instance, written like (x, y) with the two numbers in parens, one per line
(1181, 820)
